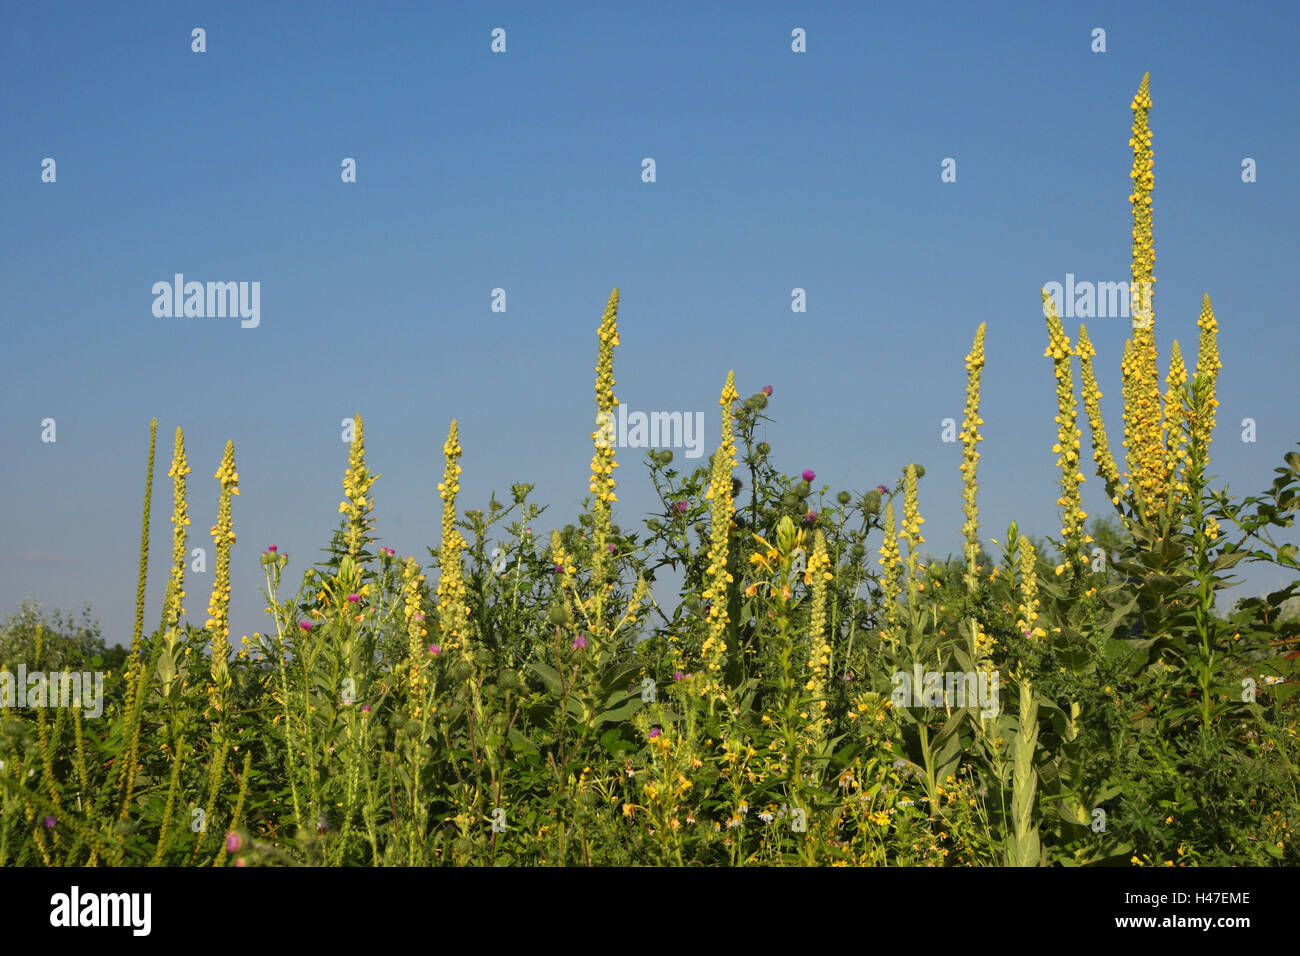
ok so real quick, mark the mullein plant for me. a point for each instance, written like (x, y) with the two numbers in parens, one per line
(1153, 490)
(979, 646)
(713, 652)
(1144, 418)
(1067, 448)
(602, 482)
(218, 625)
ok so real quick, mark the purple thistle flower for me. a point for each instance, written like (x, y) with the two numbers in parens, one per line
(271, 548)
(365, 708)
(305, 625)
(49, 823)
(810, 517)
(435, 650)
(233, 842)
(559, 568)
(655, 732)
(809, 474)
(354, 598)
(682, 507)
(767, 390)
(882, 489)
(613, 548)
(678, 675)
(579, 643)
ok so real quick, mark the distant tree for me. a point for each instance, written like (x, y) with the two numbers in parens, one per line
(66, 642)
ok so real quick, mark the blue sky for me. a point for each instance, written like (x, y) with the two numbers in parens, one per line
(775, 170)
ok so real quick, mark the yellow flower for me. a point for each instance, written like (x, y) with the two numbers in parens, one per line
(970, 438)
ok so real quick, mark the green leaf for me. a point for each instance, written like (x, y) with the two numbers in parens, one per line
(549, 675)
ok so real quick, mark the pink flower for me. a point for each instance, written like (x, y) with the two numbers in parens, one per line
(271, 548)
(678, 675)
(809, 475)
(365, 708)
(579, 643)
(354, 598)
(435, 650)
(810, 517)
(767, 390)
(49, 823)
(613, 548)
(305, 625)
(882, 489)
(655, 732)
(233, 842)
(682, 507)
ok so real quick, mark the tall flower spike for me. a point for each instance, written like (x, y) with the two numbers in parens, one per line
(1028, 609)
(819, 652)
(356, 485)
(144, 560)
(1145, 444)
(172, 606)
(970, 438)
(452, 615)
(891, 586)
(1101, 454)
(223, 535)
(1067, 434)
(1207, 369)
(1174, 413)
(714, 649)
(602, 462)
(912, 522)
(416, 632)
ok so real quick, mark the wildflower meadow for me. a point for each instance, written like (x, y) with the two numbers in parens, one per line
(766, 670)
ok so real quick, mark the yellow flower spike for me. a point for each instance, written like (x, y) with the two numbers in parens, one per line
(356, 483)
(602, 462)
(1207, 369)
(970, 438)
(1106, 468)
(452, 613)
(1028, 610)
(219, 604)
(1174, 414)
(819, 653)
(415, 631)
(172, 610)
(724, 460)
(1067, 431)
(1144, 423)
(891, 586)
(912, 521)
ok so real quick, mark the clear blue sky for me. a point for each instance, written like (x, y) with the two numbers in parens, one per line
(522, 170)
